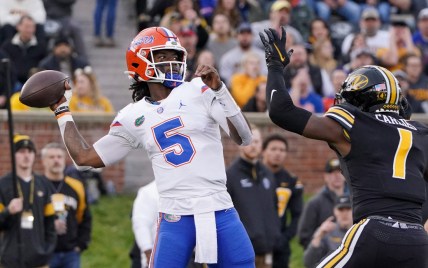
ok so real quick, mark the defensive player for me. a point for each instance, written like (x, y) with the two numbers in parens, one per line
(177, 123)
(383, 156)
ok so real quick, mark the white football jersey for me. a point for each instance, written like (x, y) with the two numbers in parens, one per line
(182, 137)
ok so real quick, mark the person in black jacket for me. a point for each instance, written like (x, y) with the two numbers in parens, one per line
(24, 49)
(26, 221)
(290, 195)
(320, 206)
(73, 218)
(252, 188)
(62, 58)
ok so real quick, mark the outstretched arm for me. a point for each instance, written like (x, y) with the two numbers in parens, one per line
(83, 154)
(238, 127)
(282, 111)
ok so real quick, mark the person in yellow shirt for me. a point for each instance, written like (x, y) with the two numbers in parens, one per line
(243, 85)
(87, 95)
(17, 105)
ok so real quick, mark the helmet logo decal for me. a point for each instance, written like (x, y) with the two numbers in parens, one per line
(358, 81)
(144, 40)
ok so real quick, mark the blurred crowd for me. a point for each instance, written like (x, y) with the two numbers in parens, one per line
(39, 35)
(330, 39)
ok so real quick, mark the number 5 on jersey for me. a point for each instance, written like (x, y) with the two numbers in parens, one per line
(177, 148)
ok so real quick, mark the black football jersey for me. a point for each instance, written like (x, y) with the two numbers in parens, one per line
(386, 165)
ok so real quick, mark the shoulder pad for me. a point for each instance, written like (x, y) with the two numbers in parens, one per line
(343, 114)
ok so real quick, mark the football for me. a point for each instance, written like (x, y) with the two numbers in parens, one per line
(43, 89)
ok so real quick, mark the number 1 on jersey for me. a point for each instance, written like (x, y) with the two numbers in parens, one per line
(404, 146)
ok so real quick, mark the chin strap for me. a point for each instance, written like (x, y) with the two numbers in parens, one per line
(173, 84)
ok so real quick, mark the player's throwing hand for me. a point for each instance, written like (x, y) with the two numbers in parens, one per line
(209, 76)
(65, 100)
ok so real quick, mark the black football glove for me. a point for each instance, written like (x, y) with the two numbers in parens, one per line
(275, 52)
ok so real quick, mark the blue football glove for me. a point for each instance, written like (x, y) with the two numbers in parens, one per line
(275, 52)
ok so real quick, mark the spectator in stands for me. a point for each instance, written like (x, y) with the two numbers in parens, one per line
(189, 40)
(221, 38)
(320, 207)
(253, 190)
(61, 11)
(360, 57)
(258, 102)
(420, 37)
(347, 9)
(370, 27)
(320, 30)
(230, 63)
(382, 6)
(329, 235)
(149, 12)
(11, 12)
(24, 49)
(186, 12)
(230, 9)
(243, 84)
(303, 94)
(358, 42)
(62, 58)
(100, 7)
(87, 95)
(289, 192)
(92, 179)
(319, 78)
(418, 81)
(29, 214)
(338, 76)
(73, 221)
(322, 55)
(403, 81)
(204, 57)
(279, 16)
(401, 44)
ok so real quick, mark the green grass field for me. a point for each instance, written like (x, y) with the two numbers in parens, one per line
(112, 236)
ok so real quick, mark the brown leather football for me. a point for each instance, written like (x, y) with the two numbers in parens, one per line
(43, 89)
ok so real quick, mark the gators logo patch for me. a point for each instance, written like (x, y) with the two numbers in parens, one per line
(139, 121)
(172, 218)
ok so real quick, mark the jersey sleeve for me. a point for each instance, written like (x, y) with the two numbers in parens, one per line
(342, 114)
(119, 128)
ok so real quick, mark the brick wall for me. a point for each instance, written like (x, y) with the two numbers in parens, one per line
(306, 158)
(42, 128)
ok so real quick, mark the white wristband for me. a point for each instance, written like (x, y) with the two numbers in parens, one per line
(62, 119)
(227, 102)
